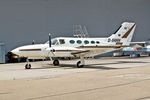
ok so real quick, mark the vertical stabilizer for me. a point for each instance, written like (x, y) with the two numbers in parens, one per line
(124, 34)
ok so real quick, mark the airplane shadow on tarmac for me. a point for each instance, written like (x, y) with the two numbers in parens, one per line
(101, 66)
(92, 66)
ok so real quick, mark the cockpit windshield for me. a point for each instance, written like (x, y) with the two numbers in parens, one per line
(53, 42)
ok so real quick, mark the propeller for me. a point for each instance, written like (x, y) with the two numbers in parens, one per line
(50, 45)
(33, 42)
(50, 40)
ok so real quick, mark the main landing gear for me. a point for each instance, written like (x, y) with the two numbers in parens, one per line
(28, 66)
(80, 64)
(56, 62)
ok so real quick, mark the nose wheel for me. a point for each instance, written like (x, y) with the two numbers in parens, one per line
(28, 66)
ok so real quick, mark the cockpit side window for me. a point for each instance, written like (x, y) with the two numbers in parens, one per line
(61, 41)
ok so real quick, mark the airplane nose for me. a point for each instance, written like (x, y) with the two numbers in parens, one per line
(15, 51)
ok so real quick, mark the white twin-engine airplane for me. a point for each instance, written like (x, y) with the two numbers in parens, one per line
(77, 47)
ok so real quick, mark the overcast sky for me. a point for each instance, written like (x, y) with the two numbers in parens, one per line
(22, 21)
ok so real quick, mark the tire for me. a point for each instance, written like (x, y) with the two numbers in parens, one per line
(79, 64)
(55, 62)
(138, 55)
(28, 66)
(133, 56)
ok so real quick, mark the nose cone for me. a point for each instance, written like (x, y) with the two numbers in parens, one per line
(15, 51)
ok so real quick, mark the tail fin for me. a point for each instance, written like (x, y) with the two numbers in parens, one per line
(124, 34)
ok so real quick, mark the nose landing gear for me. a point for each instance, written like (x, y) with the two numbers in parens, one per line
(28, 66)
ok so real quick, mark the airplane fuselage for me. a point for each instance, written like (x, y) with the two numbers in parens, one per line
(64, 47)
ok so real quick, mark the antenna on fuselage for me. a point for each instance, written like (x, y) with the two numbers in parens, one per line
(49, 40)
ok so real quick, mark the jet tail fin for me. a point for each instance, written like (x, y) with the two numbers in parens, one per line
(124, 34)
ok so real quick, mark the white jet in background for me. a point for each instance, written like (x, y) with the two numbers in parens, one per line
(138, 51)
(77, 47)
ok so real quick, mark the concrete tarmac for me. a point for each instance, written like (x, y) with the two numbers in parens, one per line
(110, 78)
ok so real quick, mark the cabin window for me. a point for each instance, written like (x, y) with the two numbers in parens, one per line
(79, 41)
(86, 42)
(61, 41)
(92, 42)
(72, 41)
(97, 42)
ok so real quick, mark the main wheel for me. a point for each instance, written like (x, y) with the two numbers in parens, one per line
(79, 64)
(28, 66)
(55, 62)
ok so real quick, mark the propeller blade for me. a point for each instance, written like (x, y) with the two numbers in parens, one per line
(49, 40)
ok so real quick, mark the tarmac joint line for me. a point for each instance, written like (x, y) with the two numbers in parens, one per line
(147, 98)
(92, 89)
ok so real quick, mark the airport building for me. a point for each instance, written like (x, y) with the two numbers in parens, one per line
(2, 53)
